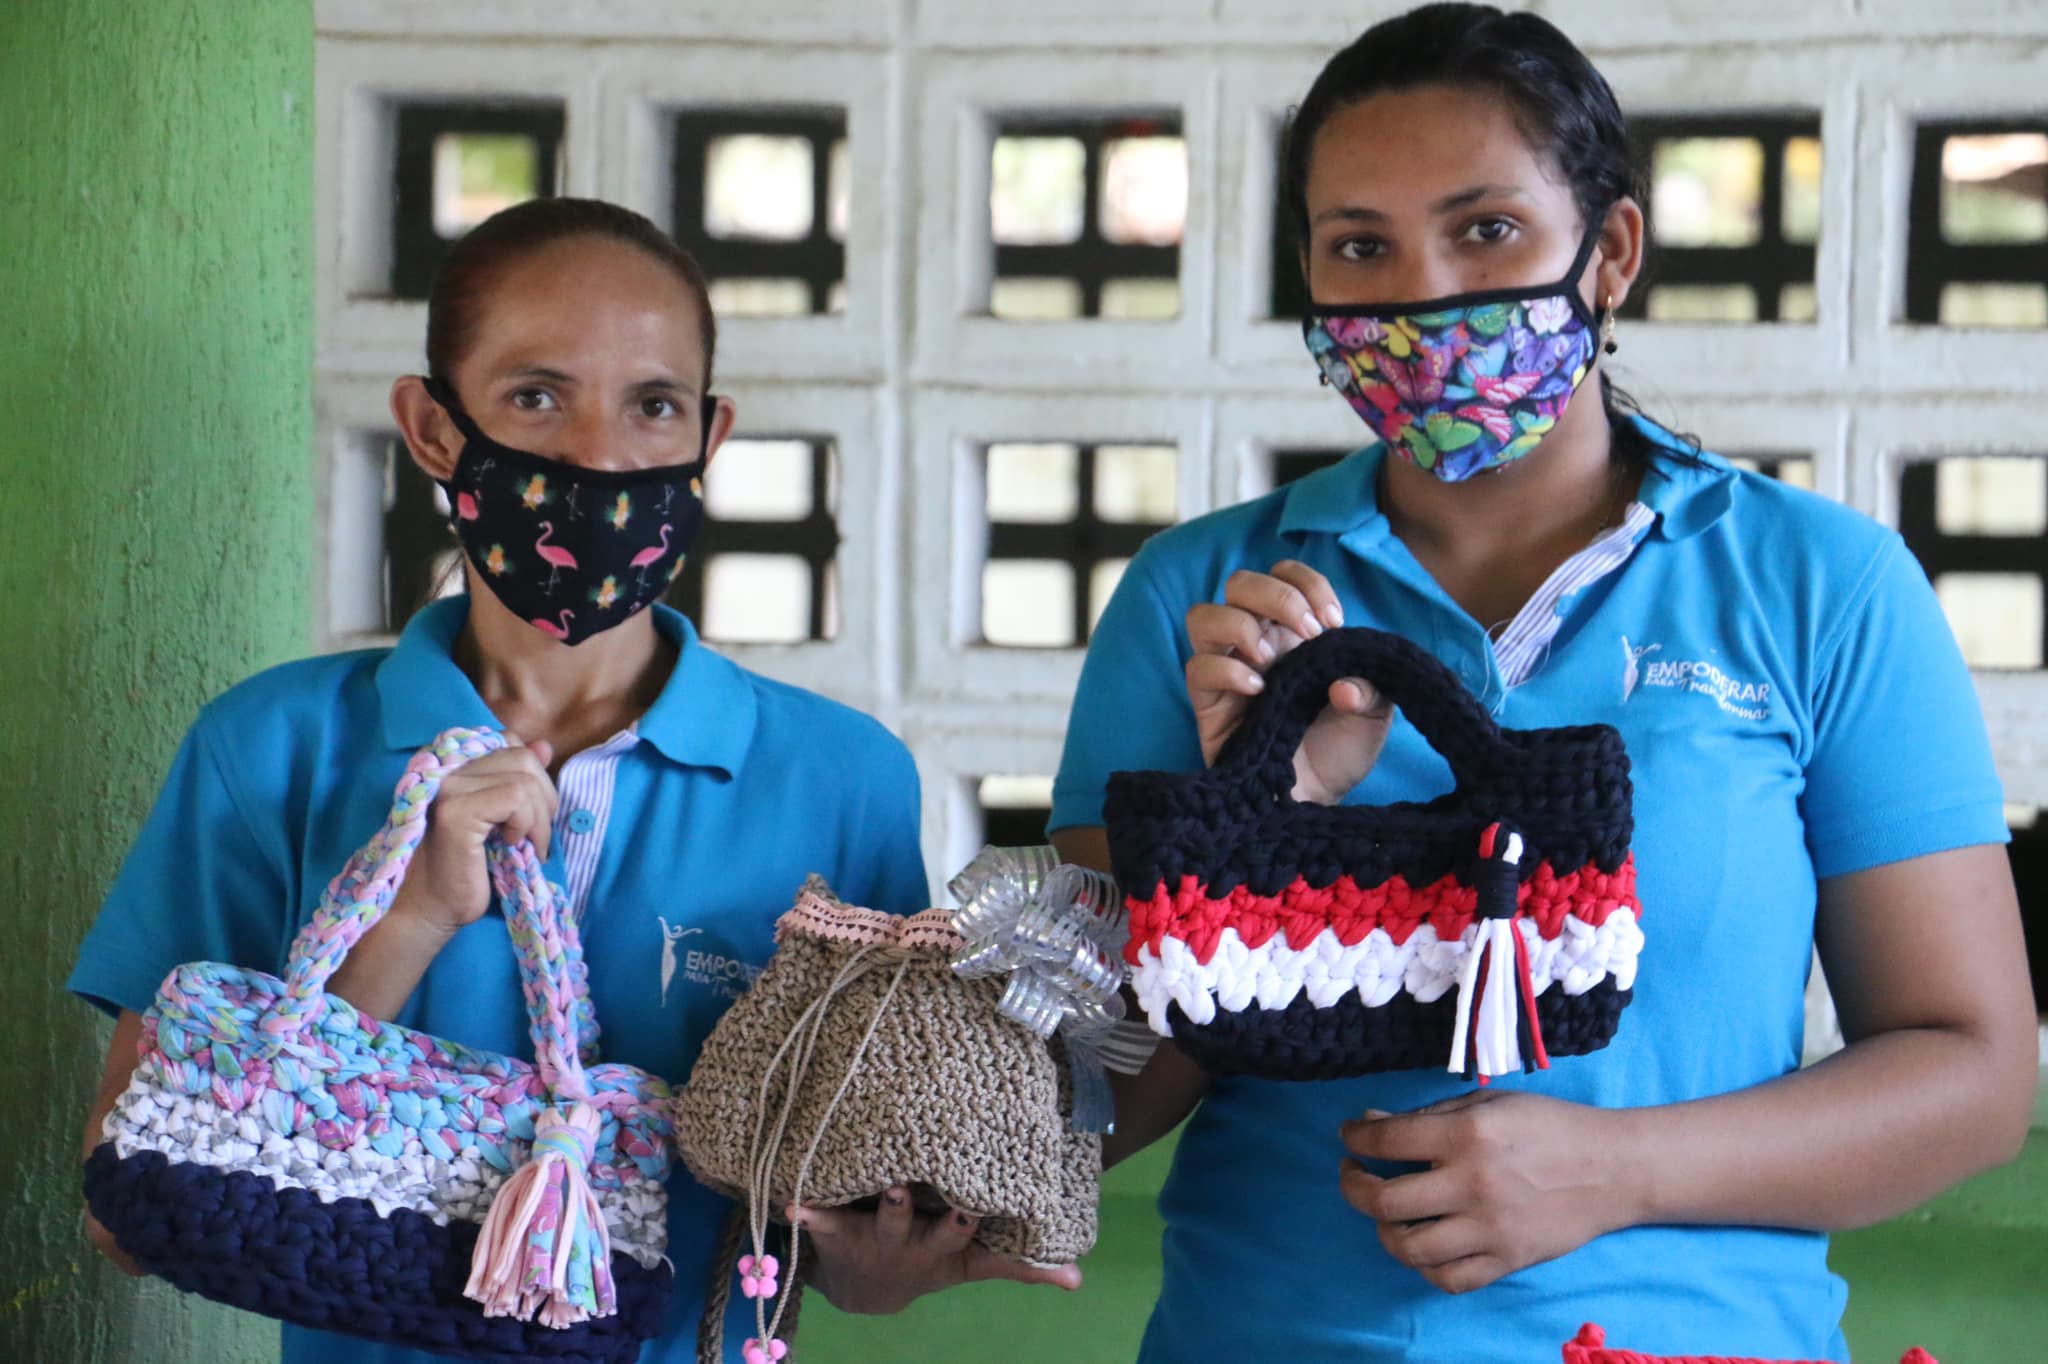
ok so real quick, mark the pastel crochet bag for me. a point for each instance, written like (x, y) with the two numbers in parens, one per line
(859, 1059)
(1590, 1347)
(279, 1151)
(1485, 930)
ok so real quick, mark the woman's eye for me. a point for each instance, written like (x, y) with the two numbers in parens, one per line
(532, 399)
(1491, 230)
(1359, 248)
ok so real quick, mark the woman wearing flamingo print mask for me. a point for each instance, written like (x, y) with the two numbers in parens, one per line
(567, 411)
(1809, 761)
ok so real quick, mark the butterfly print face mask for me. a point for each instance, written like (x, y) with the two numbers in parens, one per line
(1464, 384)
(570, 551)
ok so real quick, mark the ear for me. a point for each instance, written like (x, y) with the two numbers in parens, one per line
(723, 417)
(430, 436)
(1619, 259)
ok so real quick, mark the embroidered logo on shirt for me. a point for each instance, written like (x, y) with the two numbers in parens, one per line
(1632, 672)
(1744, 700)
(670, 935)
(729, 976)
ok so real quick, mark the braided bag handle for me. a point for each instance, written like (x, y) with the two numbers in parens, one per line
(543, 1252)
(544, 938)
(1260, 755)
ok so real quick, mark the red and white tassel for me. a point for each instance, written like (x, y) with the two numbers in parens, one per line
(1497, 1031)
(544, 1253)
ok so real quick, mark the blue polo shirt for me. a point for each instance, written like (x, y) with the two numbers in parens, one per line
(738, 789)
(1794, 707)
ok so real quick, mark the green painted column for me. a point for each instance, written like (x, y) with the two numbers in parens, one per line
(156, 534)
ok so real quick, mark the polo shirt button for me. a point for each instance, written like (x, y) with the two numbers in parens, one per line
(581, 821)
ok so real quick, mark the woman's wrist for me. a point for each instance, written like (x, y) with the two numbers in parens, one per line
(1632, 1153)
(418, 921)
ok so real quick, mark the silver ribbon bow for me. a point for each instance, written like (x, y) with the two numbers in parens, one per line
(1058, 930)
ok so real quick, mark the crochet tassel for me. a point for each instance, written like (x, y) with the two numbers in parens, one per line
(544, 1253)
(1496, 1029)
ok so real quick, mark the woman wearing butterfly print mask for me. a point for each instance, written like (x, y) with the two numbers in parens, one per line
(1809, 760)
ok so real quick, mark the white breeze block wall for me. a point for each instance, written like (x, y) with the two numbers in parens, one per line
(911, 379)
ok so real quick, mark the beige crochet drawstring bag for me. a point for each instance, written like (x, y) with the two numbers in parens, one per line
(859, 1060)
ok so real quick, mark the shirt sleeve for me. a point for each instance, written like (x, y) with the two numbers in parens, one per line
(1901, 764)
(198, 885)
(1131, 709)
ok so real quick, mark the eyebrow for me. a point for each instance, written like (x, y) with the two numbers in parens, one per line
(664, 387)
(1450, 203)
(553, 376)
(645, 386)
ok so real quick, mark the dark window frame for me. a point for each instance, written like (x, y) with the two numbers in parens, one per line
(818, 259)
(1940, 552)
(1932, 261)
(417, 247)
(1767, 266)
(1090, 260)
(1081, 542)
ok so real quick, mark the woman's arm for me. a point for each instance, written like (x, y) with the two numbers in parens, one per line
(1929, 971)
(120, 1068)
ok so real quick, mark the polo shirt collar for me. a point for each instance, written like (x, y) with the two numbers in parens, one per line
(1342, 499)
(1688, 489)
(704, 716)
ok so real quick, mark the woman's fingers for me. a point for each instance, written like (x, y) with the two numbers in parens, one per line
(509, 791)
(1315, 589)
(1273, 599)
(1356, 696)
(1215, 628)
(983, 1263)
(1217, 676)
(950, 1232)
(1426, 1245)
(1219, 690)
(894, 1218)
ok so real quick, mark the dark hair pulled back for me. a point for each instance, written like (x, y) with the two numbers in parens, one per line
(466, 274)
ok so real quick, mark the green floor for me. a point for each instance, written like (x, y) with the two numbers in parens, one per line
(1967, 1277)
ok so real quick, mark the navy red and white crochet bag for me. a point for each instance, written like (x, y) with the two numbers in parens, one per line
(1485, 930)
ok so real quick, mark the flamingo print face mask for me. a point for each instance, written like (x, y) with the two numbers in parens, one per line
(569, 550)
(1464, 384)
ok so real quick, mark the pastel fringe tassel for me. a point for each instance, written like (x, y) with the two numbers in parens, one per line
(544, 1253)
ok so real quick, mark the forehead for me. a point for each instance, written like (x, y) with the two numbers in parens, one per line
(593, 297)
(1422, 143)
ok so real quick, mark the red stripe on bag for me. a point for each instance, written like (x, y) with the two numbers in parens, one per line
(1302, 911)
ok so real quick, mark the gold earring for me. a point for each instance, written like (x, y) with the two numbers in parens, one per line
(1607, 342)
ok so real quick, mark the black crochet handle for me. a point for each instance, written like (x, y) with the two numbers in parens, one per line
(1261, 753)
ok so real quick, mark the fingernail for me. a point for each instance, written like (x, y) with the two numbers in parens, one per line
(1333, 616)
(1258, 683)
(1265, 651)
(1310, 626)
(894, 1198)
(1377, 1113)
